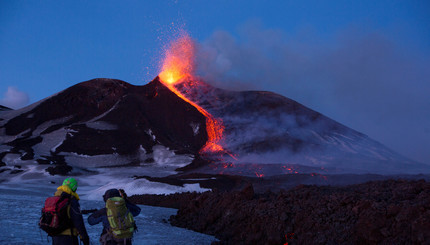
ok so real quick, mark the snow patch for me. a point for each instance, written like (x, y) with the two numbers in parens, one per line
(86, 161)
(140, 186)
(51, 141)
(9, 138)
(142, 153)
(150, 133)
(106, 112)
(5, 148)
(42, 127)
(53, 149)
(29, 173)
(11, 159)
(195, 127)
(101, 125)
(21, 228)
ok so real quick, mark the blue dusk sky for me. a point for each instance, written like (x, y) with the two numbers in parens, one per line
(365, 64)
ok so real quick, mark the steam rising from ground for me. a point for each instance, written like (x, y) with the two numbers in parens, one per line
(363, 80)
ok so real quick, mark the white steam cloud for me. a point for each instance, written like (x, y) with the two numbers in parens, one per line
(364, 80)
(14, 98)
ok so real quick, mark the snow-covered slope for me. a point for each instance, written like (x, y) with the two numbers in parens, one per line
(103, 122)
(109, 123)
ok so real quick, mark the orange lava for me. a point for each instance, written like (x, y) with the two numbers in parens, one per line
(178, 60)
(178, 66)
(259, 175)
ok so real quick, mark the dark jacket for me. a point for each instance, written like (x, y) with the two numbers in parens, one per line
(101, 215)
(69, 236)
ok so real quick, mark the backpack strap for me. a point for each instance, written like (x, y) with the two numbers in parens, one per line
(70, 231)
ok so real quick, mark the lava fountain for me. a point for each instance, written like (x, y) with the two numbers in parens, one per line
(178, 67)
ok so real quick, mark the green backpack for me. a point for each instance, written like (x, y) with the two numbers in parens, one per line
(121, 221)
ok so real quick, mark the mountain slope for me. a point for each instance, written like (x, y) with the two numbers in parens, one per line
(103, 117)
(107, 122)
(264, 127)
(4, 108)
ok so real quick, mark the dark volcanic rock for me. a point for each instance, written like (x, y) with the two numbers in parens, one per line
(59, 170)
(176, 200)
(2, 154)
(58, 165)
(131, 112)
(103, 117)
(4, 108)
(77, 103)
(380, 212)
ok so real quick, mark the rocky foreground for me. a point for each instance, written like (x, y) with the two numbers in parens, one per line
(379, 212)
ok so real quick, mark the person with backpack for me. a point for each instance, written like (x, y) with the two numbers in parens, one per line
(62, 218)
(117, 218)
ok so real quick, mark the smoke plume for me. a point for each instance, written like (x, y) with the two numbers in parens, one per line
(366, 81)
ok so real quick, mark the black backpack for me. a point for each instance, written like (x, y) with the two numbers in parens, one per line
(55, 218)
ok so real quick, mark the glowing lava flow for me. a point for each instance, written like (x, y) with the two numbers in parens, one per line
(178, 65)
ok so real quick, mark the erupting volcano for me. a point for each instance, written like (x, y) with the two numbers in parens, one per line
(178, 67)
(183, 122)
(176, 134)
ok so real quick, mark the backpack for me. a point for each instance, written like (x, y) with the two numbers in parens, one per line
(55, 218)
(121, 221)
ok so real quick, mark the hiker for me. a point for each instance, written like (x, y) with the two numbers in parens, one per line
(70, 223)
(117, 218)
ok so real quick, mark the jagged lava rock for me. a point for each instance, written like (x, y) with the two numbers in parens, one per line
(379, 212)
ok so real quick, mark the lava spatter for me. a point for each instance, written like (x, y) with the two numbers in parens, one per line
(178, 67)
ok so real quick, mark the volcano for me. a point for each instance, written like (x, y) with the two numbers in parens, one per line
(267, 128)
(108, 122)
(103, 117)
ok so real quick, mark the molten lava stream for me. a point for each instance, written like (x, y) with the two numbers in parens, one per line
(214, 127)
(178, 67)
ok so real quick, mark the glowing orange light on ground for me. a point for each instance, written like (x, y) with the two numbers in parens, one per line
(259, 175)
